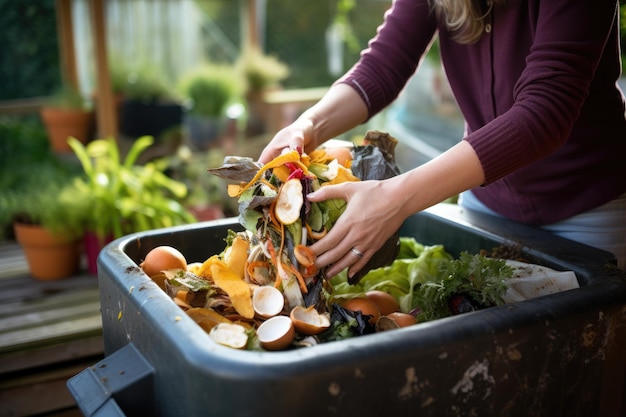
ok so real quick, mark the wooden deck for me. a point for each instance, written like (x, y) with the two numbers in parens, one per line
(49, 332)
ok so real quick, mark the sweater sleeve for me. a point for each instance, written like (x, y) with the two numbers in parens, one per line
(569, 41)
(393, 54)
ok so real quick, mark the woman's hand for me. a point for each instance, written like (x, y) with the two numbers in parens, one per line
(338, 111)
(297, 136)
(370, 218)
(377, 209)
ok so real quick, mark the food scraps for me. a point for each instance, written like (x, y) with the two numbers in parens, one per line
(263, 291)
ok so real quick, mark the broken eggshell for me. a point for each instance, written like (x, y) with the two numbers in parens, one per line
(230, 334)
(267, 301)
(394, 320)
(308, 321)
(276, 333)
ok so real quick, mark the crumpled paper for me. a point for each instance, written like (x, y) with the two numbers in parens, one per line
(531, 281)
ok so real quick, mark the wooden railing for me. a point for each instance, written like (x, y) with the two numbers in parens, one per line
(23, 105)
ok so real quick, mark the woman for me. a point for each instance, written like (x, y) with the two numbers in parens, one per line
(545, 140)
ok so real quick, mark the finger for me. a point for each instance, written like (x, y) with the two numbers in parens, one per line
(330, 191)
(330, 248)
(349, 260)
(338, 250)
(339, 240)
(268, 154)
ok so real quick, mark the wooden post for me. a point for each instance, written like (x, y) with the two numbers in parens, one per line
(250, 30)
(65, 33)
(106, 111)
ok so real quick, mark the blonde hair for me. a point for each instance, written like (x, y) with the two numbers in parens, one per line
(465, 18)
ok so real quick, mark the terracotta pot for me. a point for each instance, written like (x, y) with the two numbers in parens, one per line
(62, 123)
(49, 257)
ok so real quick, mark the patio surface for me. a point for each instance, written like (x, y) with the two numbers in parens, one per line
(49, 332)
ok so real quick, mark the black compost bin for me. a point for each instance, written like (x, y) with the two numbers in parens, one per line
(557, 355)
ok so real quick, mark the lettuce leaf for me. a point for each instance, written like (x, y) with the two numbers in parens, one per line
(426, 277)
(417, 264)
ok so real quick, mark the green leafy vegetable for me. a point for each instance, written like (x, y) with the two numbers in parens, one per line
(482, 279)
(425, 277)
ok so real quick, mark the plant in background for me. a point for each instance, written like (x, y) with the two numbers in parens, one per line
(209, 89)
(342, 22)
(52, 206)
(204, 190)
(260, 71)
(68, 97)
(46, 199)
(47, 221)
(123, 197)
(24, 145)
(144, 83)
(149, 105)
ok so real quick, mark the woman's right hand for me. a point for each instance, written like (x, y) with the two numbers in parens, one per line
(297, 136)
(338, 111)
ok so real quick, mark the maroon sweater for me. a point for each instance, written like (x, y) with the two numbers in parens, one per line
(538, 93)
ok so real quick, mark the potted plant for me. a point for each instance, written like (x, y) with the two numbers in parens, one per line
(47, 223)
(67, 114)
(123, 197)
(208, 90)
(207, 198)
(261, 73)
(149, 106)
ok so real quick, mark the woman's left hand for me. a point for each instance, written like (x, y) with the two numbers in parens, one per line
(372, 215)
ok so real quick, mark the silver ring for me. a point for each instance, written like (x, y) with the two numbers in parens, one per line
(357, 252)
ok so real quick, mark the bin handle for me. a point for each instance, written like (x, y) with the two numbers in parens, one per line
(112, 386)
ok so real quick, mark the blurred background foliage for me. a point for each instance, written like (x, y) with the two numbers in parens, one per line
(29, 54)
(294, 32)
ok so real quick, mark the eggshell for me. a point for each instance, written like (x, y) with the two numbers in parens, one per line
(402, 319)
(276, 333)
(163, 258)
(385, 323)
(385, 302)
(365, 306)
(229, 334)
(308, 321)
(267, 301)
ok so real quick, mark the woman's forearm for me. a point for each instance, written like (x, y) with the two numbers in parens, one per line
(451, 173)
(338, 111)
